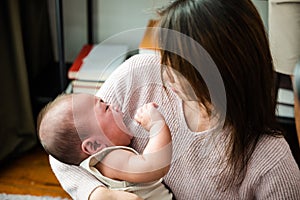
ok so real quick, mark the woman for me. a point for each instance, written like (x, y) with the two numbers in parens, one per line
(225, 144)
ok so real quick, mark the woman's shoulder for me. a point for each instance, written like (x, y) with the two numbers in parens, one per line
(144, 58)
(143, 68)
(271, 151)
(139, 65)
(272, 170)
(143, 61)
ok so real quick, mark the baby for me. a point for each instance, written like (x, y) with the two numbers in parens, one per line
(81, 129)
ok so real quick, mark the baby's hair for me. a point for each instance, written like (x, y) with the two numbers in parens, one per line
(57, 132)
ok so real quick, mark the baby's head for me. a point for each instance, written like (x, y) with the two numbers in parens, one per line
(57, 132)
(74, 126)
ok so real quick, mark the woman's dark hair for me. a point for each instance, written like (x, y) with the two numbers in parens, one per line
(233, 34)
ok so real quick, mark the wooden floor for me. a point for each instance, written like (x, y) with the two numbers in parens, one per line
(30, 174)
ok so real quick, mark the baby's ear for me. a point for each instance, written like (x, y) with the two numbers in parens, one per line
(92, 145)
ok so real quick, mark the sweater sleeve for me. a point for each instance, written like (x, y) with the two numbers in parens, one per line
(282, 181)
(77, 182)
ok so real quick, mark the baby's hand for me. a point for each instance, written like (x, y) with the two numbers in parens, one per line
(148, 116)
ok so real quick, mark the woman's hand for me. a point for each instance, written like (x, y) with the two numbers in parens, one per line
(102, 193)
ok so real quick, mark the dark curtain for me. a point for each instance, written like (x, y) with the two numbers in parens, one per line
(26, 55)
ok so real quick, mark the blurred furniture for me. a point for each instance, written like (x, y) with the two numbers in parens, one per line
(297, 79)
(60, 37)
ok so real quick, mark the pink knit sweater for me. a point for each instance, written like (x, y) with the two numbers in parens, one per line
(272, 172)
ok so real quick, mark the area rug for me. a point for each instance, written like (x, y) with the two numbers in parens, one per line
(28, 197)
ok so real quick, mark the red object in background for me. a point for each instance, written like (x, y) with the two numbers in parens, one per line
(72, 72)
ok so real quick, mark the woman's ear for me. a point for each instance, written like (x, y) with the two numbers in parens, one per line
(92, 145)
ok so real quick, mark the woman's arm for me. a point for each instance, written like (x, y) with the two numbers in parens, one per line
(282, 181)
(81, 185)
(77, 182)
(105, 193)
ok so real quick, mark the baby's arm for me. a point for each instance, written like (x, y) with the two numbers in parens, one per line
(152, 120)
(155, 161)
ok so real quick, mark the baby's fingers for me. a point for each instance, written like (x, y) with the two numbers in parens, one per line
(138, 116)
(153, 104)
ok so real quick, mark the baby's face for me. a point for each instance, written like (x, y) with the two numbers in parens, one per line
(101, 117)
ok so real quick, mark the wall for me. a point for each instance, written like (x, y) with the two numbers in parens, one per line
(111, 17)
(262, 7)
